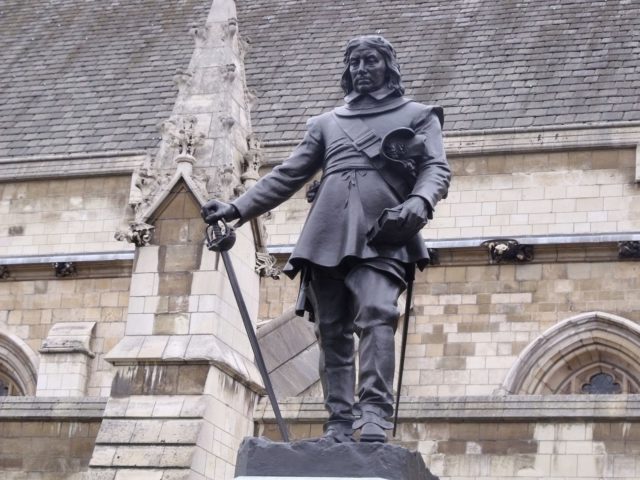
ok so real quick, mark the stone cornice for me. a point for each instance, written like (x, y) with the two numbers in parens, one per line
(546, 249)
(44, 408)
(514, 140)
(71, 165)
(85, 265)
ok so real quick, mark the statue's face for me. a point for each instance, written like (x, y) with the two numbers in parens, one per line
(367, 69)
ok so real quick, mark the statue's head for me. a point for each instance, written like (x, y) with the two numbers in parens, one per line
(385, 50)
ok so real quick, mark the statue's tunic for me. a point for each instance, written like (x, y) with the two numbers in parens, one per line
(352, 192)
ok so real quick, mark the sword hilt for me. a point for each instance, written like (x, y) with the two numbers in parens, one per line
(220, 238)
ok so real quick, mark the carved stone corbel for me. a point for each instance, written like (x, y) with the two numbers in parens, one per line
(64, 269)
(629, 249)
(434, 256)
(508, 250)
(4, 272)
(266, 266)
(140, 234)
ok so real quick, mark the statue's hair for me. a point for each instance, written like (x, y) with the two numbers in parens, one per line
(392, 78)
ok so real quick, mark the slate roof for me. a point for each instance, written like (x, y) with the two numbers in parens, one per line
(490, 63)
(90, 75)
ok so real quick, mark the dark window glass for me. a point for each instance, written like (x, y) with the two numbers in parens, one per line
(602, 383)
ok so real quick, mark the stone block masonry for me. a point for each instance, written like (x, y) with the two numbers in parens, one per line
(47, 438)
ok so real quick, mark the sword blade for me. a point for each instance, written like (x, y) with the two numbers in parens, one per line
(403, 349)
(253, 340)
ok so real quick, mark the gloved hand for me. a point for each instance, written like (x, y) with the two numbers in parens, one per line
(214, 210)
(414, 213)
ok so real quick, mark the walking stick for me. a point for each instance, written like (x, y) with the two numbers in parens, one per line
(403, 349)
(221, 240)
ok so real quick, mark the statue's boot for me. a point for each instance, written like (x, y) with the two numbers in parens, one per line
(376, 315)
(334, 330)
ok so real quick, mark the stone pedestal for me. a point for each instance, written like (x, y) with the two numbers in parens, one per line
(262, 459)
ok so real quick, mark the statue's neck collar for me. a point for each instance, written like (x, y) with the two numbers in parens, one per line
(377, 95)
(369, 106)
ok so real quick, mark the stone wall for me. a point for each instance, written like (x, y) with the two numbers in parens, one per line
(48, 439)
(567, 192)
(73, 215)
(30, 308)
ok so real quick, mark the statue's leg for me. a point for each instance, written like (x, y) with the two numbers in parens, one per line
(334, 328)
(375, 295)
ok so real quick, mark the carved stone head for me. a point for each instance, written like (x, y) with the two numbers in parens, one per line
(393, 78)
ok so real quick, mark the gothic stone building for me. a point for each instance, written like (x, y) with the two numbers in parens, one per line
(122, 353)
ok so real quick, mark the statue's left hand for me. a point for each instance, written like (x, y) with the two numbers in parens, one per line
(414, 213)
(214, 210)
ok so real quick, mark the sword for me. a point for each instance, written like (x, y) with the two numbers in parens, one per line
(221, 240)
(403, 349)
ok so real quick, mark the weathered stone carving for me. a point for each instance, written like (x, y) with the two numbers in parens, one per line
(232, 26)
(199, 31)
(4, 272)
(508, 250)
(223, 184)
(227, 123)
(266, 265)
(140, 234)
(64, 269)
(252, 160)
(182, 78)
(181, 133)
(229, 72)
(629, 249)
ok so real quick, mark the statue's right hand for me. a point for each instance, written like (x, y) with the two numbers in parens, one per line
(214, 210)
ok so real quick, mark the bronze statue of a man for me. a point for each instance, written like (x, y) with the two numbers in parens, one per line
(383, 171)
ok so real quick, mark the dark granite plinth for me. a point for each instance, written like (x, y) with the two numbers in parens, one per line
(260, 457)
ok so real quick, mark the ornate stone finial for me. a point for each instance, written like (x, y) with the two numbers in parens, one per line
(629, 249)
(232, 26)
(508, 250)
(140, 234)
(229, 72)
(4, 272)
(266, 266)
(64, 269)
(182, 134)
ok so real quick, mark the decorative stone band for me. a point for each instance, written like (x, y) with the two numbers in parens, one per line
(83, 164)
(47, 409)
(478, 408)
(80, 265)
(514, 140)
(547, 248)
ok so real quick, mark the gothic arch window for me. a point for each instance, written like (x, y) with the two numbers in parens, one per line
(592, 353)
(18, 367)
